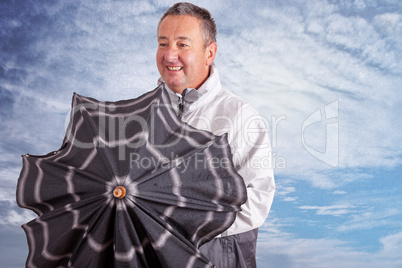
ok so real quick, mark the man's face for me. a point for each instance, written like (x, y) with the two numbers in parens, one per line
(182, 60)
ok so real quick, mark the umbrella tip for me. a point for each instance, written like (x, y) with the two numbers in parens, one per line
(119, 192)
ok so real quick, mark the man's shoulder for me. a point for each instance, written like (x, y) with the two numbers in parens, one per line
(234, 101)
(232, 108)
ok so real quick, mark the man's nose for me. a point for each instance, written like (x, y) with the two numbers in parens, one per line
(171, 54)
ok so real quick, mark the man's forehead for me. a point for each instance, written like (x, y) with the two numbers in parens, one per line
(181, 25)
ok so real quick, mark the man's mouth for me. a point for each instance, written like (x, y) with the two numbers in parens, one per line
(171, 68)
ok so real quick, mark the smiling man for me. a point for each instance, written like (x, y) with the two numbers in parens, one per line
(185, 58)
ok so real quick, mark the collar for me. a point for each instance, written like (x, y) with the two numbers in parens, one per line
(196, 97)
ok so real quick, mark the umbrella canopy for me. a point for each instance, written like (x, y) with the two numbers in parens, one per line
(131, 186)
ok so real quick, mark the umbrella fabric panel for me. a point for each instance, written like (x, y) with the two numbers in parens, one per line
(50, 185)
(164, 245)
(201, 191)
(62, 234)
(176, 201)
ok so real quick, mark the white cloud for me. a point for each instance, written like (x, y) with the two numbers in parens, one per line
(338, 57)
(17, 218)
(392, 244)
(334, 210)
(340, 192)
(290, 199)
(276, 248)
(352, 33)
(371, 219)
(284, 190)
(388, 23)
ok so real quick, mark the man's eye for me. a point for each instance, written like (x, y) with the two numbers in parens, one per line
(183, 45)
(162, 45)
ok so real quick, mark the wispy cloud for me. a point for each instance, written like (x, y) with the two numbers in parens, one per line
(371, 220)
(340, 192)
(282, 191)
(290, 199)
(334, 210)
(281, 249)
(16, 218)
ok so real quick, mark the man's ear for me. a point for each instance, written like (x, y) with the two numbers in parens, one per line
(211, 52)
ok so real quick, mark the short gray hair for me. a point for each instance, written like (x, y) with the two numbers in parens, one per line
(208, 26)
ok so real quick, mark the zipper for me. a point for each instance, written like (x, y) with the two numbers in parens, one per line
(181, 103)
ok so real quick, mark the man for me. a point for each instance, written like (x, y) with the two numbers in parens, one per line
(185, 59)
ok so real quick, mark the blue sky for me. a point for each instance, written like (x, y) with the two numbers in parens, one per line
(325, 76)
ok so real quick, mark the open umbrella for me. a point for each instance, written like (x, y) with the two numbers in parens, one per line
(131, 186)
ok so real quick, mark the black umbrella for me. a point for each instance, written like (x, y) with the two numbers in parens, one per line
(132, 186)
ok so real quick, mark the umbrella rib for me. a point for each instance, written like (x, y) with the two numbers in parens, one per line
(128, 255)
(93, 244)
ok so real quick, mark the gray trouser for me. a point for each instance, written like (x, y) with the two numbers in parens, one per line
(234, 251)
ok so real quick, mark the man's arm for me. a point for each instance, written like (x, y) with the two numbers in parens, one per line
(252, 157)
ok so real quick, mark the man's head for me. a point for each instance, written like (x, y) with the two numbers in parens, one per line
(208, 26)
(186, 46)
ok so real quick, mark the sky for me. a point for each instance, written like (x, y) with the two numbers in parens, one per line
(325, 76)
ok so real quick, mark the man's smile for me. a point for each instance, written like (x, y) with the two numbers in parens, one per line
(172, 68)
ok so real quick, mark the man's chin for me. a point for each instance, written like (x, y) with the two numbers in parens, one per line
(175, 86)
(177, 89)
